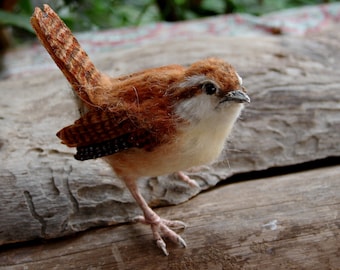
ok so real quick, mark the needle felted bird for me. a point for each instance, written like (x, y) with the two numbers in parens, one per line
(150, 123)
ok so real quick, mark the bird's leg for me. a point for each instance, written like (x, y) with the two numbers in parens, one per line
(159, 226)
(191, 182)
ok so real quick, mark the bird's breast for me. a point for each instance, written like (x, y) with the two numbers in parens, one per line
(193, 145)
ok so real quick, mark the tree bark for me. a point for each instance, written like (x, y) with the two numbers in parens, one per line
(294, 117)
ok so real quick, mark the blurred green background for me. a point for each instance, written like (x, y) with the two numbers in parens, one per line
(88, 15)
(84, 15)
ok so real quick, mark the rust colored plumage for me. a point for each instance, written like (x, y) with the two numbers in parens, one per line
(65, 51)
(116, 108)
(149, 123)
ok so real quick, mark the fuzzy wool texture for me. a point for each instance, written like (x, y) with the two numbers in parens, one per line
(143, 106)
(148, 123)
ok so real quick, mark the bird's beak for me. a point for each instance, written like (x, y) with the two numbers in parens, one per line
(236, 96)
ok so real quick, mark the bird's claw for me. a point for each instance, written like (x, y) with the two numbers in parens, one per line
(161, 228)
(139, 219)
(181, 242)
(186, 179)
(174, 224)
(161, 244)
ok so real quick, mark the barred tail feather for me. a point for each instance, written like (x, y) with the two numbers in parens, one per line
(66, 52)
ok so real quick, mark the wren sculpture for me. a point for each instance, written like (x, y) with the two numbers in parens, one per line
(150, 123)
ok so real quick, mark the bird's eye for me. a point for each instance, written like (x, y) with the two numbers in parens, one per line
(209, 88)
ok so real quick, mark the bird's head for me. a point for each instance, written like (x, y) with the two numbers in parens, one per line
(210, 87)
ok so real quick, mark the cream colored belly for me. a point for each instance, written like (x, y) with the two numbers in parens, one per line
(163, 160)
(196, 146)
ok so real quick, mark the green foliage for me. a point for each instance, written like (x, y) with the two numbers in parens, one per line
(17, 20)
(82, 15)
(86, 14)
(20, 18)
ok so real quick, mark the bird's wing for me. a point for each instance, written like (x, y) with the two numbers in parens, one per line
(103, 132)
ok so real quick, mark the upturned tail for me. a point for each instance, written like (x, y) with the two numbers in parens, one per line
(67, 53)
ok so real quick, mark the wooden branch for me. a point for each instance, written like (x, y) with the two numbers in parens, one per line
(284, 222)
(293, 118)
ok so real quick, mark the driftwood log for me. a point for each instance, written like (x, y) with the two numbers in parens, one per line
(283, 222)
(294, 117)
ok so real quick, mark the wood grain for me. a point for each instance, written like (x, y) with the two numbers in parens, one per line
(294, 117)
(283, 222)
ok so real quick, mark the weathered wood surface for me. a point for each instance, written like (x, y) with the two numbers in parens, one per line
(284, 222)
(294, 117)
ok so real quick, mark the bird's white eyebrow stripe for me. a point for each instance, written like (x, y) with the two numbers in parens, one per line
(239, 78)
(193, 81)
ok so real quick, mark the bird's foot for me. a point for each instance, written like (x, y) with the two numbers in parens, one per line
(161, 228)
(191, 182)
